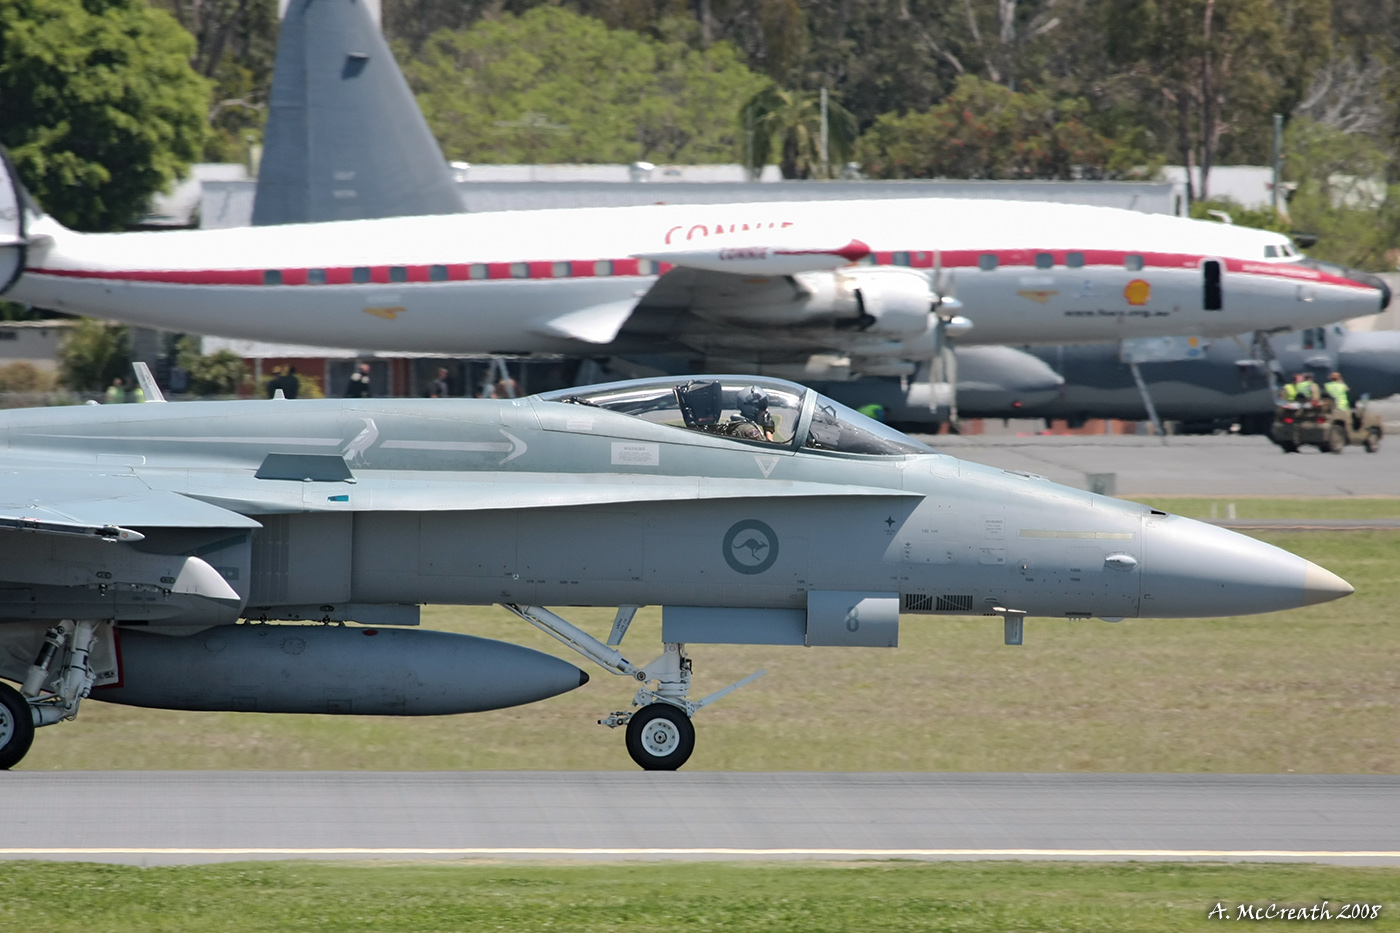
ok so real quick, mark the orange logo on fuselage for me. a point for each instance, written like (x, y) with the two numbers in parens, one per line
(1137, 292)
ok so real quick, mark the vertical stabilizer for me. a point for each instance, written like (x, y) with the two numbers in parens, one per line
(345, 138)
(13, 241)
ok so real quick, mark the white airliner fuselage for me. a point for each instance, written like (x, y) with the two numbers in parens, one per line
(740, 281)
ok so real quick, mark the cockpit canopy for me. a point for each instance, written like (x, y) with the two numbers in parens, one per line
(763, 412)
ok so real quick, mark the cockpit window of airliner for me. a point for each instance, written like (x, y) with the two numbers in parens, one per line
(836, 427)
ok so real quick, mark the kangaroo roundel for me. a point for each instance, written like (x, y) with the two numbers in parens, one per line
(750, 546)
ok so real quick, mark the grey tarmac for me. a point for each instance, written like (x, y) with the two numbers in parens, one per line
(188, 817)
(1225, 465)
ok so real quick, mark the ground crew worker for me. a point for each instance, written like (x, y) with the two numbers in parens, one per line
(874, 411)
(1337, 389)
(116, 392)
(1290, 390)
(1307, 389)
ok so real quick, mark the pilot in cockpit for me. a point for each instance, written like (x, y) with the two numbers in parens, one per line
(753, 422)
(702, 407)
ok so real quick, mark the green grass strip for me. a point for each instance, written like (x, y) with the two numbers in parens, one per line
(810, 898)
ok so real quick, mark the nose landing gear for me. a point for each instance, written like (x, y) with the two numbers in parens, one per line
(660, 735)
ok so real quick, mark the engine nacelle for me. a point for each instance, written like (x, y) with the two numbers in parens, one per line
(889, 301)
(331, 669)
(895, 300)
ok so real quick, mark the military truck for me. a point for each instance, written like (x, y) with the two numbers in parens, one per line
(1322, 423)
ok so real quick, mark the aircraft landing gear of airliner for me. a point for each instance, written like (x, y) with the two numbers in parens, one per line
(660, 735)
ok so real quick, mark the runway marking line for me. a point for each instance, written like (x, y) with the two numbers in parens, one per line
(568, 851)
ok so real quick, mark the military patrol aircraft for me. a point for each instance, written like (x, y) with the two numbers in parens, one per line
(146, 548)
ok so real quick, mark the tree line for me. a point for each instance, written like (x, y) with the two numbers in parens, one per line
(101, 99)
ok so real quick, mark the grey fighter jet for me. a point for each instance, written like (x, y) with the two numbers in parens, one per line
(147, 550)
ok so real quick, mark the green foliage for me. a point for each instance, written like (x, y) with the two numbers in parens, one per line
(985, 130)
(792, 120)
(14, 311)
(25, 377)
(553, 86)
(235, 44)
(218, 373)
(1209, 74)
(1260, 218)
(93, 354)
(98, 105)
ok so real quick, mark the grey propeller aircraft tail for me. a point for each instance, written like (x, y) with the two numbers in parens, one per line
(345, 138)
(143, 549)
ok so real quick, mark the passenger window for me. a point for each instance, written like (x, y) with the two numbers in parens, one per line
(315, 276)
(398, 274)
(646, 267)
(437, 273)
(560, 270)
(987, 262)
(1132, 262)
(1044, 261)
(603, 267)
(899, 259)
(360, 275)
(520, 270)
(272, 276)
(1074, 260)
(478, 270)
(1271, 252)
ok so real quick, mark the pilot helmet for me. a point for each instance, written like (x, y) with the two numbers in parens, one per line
(753, 403)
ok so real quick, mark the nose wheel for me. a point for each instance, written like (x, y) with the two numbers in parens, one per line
(660, 737)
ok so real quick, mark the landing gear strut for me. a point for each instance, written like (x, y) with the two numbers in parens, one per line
(24, 710)
(660, 735)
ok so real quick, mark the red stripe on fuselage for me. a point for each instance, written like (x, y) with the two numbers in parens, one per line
(595, 268)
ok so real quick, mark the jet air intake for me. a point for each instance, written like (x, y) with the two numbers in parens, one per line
(332, 669)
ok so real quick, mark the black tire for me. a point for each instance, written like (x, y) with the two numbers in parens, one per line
(1288, 447)
(1336, 439)
(1373, 441)
(660, 737)
(16, 727)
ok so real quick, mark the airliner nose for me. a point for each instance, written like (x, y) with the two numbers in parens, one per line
(1375, 281)
(1191, 569)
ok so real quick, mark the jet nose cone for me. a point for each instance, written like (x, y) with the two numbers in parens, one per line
(1192, 569)
(1322, 586)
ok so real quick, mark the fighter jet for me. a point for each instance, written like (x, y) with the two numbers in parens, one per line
(149, 549)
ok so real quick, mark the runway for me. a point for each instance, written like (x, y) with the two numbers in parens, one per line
(138, 817)
(1186, 466)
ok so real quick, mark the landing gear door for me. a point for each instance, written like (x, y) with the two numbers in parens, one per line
(852, 619)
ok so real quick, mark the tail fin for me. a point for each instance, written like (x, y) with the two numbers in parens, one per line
(15, 205)
(345, 138)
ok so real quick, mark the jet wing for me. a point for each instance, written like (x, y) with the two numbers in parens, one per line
(102, 505)
(435, 491)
